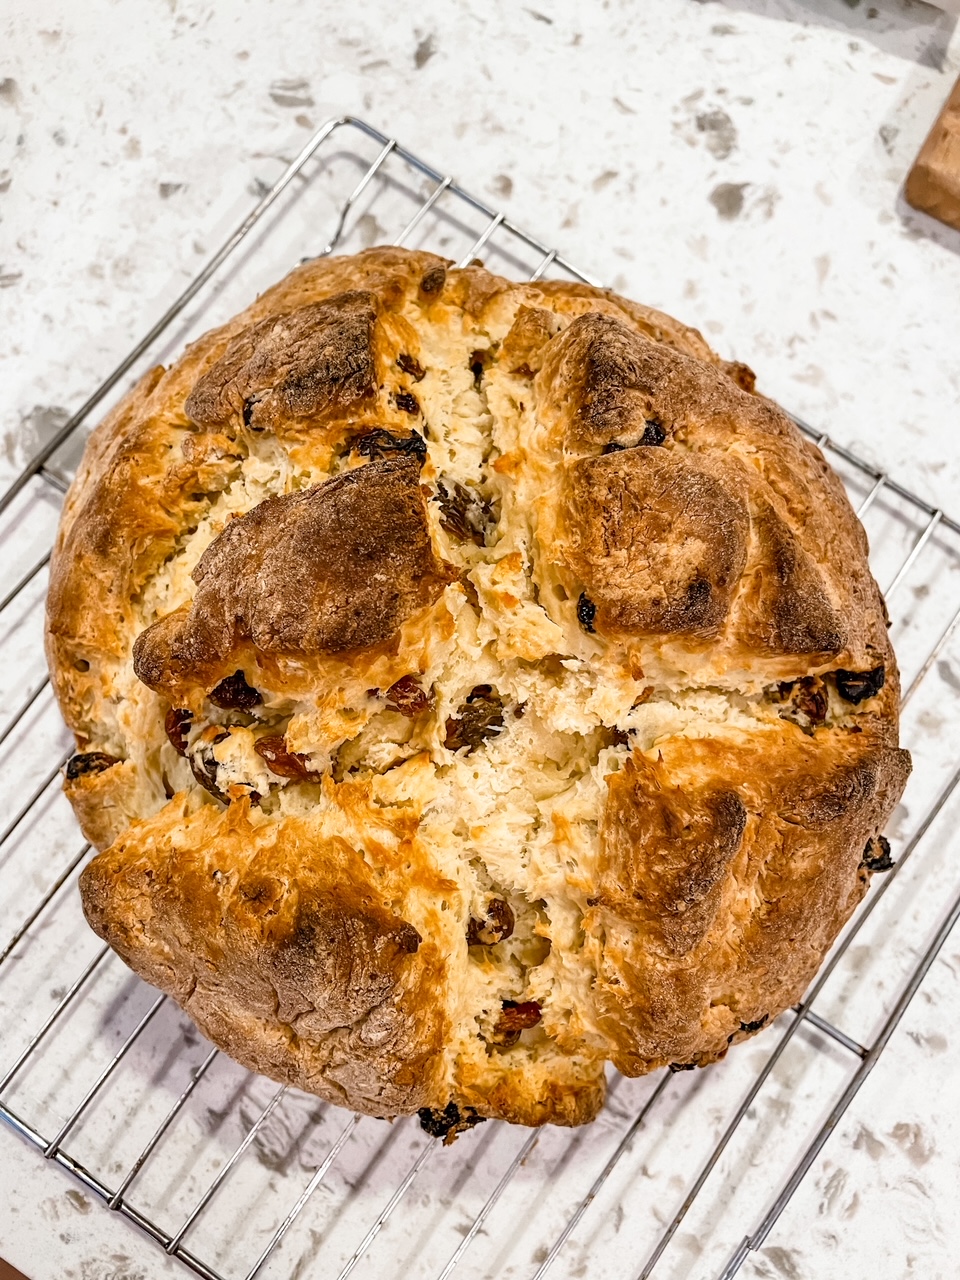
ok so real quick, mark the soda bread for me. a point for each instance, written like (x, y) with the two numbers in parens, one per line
(474, 683)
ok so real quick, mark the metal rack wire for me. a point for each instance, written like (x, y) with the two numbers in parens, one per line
(112, 1083)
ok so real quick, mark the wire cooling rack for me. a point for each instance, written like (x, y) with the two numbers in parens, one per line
(239, 1179)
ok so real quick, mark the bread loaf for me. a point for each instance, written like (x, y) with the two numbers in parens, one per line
(473, 683)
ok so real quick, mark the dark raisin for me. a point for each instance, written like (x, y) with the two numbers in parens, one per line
(808, 702)
(381, 444)
(496, 926)
(407, 938)
(248, 407)
(586, 612)
(85, 762)
(407, 697)
(407, 401)
(682, 1066)
(204, 765)
(876, 856)
(449, 1122)
(178, 723)
(618, 737)
(857, 686)
(463, 513)
(755, 1026)
(413, 367)
(653, 434)
(283, 762)
(478, 362)
(811, 699)
(433, 280)
(477, 719)
(513, 1019)
(234, 694)
(523, 371)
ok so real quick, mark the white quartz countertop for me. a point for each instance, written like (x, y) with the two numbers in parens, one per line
(738, 163)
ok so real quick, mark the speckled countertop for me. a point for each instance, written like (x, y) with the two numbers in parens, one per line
(736, 162)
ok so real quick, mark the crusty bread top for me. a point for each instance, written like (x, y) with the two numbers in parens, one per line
(473, 682)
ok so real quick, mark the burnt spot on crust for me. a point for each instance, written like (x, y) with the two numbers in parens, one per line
(412, 367)
(449, 1122)
(408, 697)
(786, 605)
(285, 763)
(496, 926)
(234, 694)
(477, 719)
(301, 365)
(658, 543)
(464, 513)
(877, 856)
(177, 724)
(586, 612)
(432, 281)
(340, 566)
(87, 762)
(857, 686)
(380, 443)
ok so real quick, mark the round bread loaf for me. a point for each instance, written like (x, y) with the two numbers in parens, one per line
(473, 683)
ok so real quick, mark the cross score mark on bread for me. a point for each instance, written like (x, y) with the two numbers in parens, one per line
(473, 683)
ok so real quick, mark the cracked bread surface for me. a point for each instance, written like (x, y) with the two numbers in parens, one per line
(474, 683)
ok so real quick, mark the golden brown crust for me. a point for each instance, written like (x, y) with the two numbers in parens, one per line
(659, 543)
(751, 864)
(414, 596)
(340, 566)
(106, 802)
(301, 364)
(299, 969)
(803, 591)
